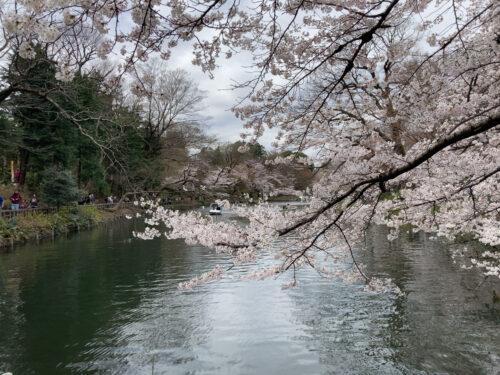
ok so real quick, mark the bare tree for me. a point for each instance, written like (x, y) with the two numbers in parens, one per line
(166, 100)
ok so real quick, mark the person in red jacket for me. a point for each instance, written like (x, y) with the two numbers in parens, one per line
(15, 199)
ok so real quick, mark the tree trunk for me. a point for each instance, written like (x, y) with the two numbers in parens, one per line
(395, 126)
(79, 172)
(23, 163)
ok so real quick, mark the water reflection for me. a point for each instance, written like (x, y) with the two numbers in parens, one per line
(96, 302)
(443, 323)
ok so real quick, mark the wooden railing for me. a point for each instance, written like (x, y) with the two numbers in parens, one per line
(7, 214)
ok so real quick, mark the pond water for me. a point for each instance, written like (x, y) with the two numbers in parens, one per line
(98, 302)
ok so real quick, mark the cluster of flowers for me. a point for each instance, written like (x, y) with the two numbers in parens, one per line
(247, 244)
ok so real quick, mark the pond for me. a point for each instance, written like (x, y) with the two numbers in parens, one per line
(99, 302)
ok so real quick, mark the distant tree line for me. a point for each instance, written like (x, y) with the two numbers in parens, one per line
(235, 169)
(92, 137)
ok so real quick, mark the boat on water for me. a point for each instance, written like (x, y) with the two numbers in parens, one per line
(215, 209)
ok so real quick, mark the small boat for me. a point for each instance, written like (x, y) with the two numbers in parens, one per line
(215, 209)
(287, 207)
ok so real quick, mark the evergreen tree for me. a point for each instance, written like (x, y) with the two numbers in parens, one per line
(79, 127)
(59, 187)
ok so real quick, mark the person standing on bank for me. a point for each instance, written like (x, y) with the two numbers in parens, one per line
(15, 199)
(34, 201)
(1, 202)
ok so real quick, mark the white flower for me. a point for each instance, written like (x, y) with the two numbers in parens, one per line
(104, 49)
(64, 73)
(68, 17)
(26, 51)
(48, 34)
(290, 284)
(11, 24)
(244, 148)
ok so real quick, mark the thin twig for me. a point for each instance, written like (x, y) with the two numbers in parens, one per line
(352, 254)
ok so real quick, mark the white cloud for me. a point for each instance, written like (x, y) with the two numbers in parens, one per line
(219, 95)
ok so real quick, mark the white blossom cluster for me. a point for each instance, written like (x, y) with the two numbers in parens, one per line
(377, 285)
(215, 274)
(246, 244)
(484, 260)
(410, 141)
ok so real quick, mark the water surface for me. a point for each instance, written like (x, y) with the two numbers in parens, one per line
(98, 302)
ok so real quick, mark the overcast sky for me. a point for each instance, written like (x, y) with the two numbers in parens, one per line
(219, 97)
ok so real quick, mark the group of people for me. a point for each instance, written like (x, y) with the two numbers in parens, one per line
(16, 201)
(89, 199)
(111, 199)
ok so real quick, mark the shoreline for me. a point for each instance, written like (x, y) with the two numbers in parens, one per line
(20, 230)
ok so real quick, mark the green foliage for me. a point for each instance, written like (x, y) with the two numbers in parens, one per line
(257, 150)
(296, 154)
(387, 196)
(9, 139)
(21, 228)
(89, 213)
(59, 187)
(392, 213)
(435, 209)
(40, 131)
(3, 224)
(216, 156)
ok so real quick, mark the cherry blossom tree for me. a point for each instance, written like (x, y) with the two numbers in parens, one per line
(230, 171)
(398, 100)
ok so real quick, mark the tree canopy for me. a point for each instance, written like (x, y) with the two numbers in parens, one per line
(104, 139)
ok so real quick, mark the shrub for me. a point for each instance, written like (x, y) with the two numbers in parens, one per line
(89, 213)
(26, 227)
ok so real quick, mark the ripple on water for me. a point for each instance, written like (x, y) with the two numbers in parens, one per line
(92, 304)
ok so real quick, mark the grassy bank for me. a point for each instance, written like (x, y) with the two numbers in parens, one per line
(20, 229)
(24, 228)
